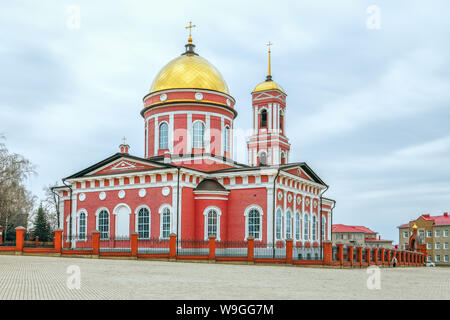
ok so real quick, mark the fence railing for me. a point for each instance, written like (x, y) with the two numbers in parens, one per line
(116, 244)
(251, 250)
(231, 249)
(153, 246)
(268, 250)
(78, 242)
(192, 247)
(310, 254)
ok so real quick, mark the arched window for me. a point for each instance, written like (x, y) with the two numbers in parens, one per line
(283, 158)
(323, 228)
(165, 223)
(288, 225)
(199, 134)
(281, 122)
(254, 224)
(314, 228)
(297, 226)
(212, 224)
(263, 123)
(262, 159)
(226, 138)
(82, 226)
(103, 224)
(306, 227)
(143, 223)
(164, 136)
(278, 224)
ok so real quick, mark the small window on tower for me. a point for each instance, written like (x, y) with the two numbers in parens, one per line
(263, 119)
(263, 159)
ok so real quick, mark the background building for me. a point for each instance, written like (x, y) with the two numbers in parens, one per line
(431, 230)
(358, 236)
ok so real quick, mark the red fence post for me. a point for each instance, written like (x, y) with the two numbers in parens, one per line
(173, 246)
(327, 253)
(1, 235)
(134, 244)
(289, 243)
(250, 249)
(360, 255)
(375, 255)
(212, 248)
(368, 256)
(96, 243)
(350, 254)
(19, 239)
(340, 253)
(57, 240)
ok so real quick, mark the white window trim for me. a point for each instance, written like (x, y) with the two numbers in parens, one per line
(205, 214)
(97, 213)
(308, 238)
(136, 220)
(299, 226)
(279, 209)
(193, 134)
(285, 223)
(160, 211)
(78, 224)
(261, 213)
(226, 142)
(159, 134)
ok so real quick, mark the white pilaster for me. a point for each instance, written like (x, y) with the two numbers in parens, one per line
(208, 134)
(189, 134)
(156, 136)
(170, 135)
(270, 214)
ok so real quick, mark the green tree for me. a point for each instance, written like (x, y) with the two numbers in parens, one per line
(42, 227)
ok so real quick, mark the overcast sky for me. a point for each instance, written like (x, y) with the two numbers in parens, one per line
(368, 109)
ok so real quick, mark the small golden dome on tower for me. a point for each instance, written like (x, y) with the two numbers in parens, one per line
(268, 85)
(414, 226)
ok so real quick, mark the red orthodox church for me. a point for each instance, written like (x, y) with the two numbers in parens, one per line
(188, 184)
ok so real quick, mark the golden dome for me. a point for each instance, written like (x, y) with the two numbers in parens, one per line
(189, 71)
(268, 85)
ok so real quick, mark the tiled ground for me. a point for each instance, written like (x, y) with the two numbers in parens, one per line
(28, 277)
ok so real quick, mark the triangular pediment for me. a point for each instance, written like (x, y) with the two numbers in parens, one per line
(297, 171)
(120, 163)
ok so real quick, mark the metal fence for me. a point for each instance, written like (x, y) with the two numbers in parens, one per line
(231, 249)
(192, 247)
(269, 250)
(8, 243)
(38, 244)
(78, 242)
(153, 246)
(307, 253)
(117, 244)
(346, 252)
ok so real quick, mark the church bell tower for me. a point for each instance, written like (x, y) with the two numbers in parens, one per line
(268, 144)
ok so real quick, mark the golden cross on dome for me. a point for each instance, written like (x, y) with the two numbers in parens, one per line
(190, 26)
(269, 45)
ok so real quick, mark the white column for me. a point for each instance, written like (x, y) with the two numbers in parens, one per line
(294, 215)
(269, 117)
(189, 134)
(170, 135)
(74, 218)
(156, 136)
(208, 134)
(269, 214)
(174, 216)
(256, 120)
(222, 136)
(284, 215)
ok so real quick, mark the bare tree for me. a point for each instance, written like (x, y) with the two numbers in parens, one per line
(51, 205)
(15, 201)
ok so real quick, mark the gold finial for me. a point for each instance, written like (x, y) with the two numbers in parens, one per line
(190, 26)
(269, 75)
(124, 140)
(414, 226)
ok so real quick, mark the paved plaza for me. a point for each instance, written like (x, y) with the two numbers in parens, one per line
(30, 277)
